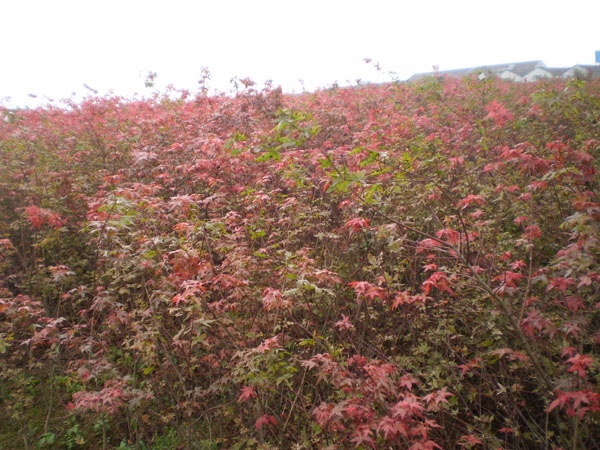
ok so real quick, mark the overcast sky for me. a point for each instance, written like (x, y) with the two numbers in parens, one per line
(50, 48)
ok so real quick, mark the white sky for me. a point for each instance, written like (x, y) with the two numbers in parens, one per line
(51, 47)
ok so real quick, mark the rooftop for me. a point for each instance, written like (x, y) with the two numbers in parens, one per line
(520, 69)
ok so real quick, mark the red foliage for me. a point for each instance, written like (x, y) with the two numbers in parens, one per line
(196, 260)
(357, 224)
(265, 419)
(38, 217)
(246, 394)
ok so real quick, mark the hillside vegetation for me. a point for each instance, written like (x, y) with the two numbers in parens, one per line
(383, 266)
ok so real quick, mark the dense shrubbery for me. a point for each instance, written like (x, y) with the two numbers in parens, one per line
(404, 265)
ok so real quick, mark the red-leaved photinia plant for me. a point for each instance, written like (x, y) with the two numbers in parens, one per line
(406, 265)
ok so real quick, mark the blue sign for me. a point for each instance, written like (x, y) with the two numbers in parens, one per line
(598, 56)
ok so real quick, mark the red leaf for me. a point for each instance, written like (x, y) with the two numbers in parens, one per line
(343, 324)
(469, 199)
(357, 224)
(469, 440)
(246, 394)
(438, 280)
(368, 290)
(362, 435)
(579, 364)
(265, 419)
(407, 381)
(497, 112)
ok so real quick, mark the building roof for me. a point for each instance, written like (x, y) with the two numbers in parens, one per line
(518, 71)
(592, 72)
(557, 71)
(519, 68)
(591, 67)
